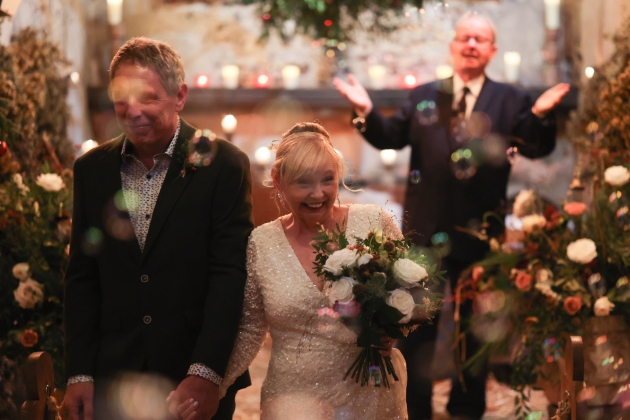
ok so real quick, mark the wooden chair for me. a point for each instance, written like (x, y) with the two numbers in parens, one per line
(575, 392)
(41, 395)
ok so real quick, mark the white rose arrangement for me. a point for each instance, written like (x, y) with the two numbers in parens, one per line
(403, 301)
(603, 306)
(341, 290)
(29, 293)
(582, 251)
(408, 271)
(616, 176)
(50, 182)
(368, 285)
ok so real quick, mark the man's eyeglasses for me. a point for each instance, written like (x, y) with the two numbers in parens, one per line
(478, 39)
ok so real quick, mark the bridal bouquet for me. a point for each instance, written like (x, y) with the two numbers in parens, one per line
(369, 287)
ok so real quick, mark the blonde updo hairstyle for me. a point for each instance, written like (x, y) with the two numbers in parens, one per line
(304, 147)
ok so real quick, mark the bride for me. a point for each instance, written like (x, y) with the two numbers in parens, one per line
(310, 354)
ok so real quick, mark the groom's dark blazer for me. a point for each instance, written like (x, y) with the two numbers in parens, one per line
(441, 201)
(178, 302)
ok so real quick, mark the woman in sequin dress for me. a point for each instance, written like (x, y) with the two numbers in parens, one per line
(310, 354)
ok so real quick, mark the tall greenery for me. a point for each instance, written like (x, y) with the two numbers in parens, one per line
(34, 212)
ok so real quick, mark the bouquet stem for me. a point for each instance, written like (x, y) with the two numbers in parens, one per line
(371, 367)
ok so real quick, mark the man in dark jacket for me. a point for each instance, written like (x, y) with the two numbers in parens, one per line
(156, 274)
(459, 130)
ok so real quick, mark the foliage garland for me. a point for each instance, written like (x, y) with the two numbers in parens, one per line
(330, 19)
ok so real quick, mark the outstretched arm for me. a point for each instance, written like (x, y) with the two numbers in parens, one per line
(253, 326)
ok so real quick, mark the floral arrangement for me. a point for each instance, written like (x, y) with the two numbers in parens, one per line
(35, 208)
(369, 285)
(543, 282)
(329, 19)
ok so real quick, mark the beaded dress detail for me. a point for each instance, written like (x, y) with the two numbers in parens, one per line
(310, 354)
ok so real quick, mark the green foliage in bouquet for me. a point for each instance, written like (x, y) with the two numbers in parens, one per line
(328, 19)
(368, 284)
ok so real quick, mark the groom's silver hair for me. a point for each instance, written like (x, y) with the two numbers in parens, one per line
(472, 15)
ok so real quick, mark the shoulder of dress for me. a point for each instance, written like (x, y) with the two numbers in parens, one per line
(264, 230)
(371, 209)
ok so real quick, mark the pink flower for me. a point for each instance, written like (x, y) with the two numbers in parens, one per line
(477, 273)
(523, 281)
(572, 305)
(575, 208)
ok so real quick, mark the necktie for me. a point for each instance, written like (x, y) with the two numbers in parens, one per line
(461, 106)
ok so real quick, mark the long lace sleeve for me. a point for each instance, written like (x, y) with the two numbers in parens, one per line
(390, 228)
(253, 326)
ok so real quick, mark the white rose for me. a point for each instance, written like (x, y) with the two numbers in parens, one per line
(21, 271)
(532, 222)
(364, 259)
(29, 293)
(544, 276)
(545, 289)
(603, 306)
(524, 203)
(50, 182)
(339, 259)
(341, 290)
(582, 251)
(17, 178)
(616, 176)
(408, 271)
(403, 301)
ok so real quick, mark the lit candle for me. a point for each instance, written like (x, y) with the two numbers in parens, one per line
(229, 74)
(262, 155)
(114, 11)
(290, 76)
(75, 77)
(228, 123)
(262, 80)
(512, 61)
(444, 71)
(388, 157)
(202, 81)
(589, 72)
(408, 81)
(377, 74)
(88, 145)
(552, 14)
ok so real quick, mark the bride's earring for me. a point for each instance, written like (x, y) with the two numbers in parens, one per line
(282, 202)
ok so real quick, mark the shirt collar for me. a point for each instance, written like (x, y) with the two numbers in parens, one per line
(127, 148)
(474, 85)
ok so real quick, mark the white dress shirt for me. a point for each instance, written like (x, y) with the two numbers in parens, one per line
(473, 85)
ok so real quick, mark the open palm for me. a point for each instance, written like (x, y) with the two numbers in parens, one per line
(355, 93)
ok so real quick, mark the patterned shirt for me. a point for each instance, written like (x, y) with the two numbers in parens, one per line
(141, 187)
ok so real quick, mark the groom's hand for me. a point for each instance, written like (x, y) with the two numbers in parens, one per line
(200, 390)
(78, 400)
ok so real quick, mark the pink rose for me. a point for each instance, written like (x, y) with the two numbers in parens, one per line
(575, 208)
(477, 273)
(572, 305)
(523, 281)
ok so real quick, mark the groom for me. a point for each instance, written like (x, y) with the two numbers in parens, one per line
(157, 269)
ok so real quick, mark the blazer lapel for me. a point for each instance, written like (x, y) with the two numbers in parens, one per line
(111, 183)
(172, 187)
(445, 109)
(485, 96)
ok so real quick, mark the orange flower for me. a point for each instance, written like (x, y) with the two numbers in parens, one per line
(572, 305)
(523, 281)
(575, 208)
(29, 338)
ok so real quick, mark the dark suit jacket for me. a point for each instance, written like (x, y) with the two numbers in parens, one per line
(441, 201)
(189, 280)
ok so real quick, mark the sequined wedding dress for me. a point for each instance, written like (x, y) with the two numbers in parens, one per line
(310, 353)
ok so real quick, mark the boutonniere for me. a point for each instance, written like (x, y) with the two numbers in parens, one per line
(197, 151)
